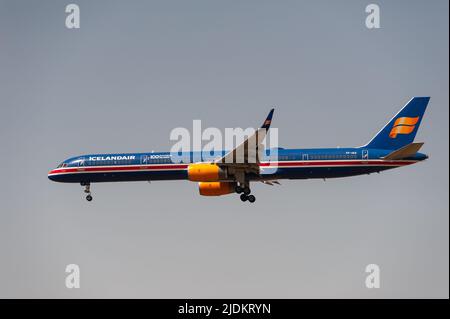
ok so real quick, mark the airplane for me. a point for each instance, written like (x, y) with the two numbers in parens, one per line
(393, 146)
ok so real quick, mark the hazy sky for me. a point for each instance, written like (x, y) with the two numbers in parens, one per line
(137, 69)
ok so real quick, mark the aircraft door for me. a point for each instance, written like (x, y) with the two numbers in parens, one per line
(365, 155)
(144, 159)
(81, 162)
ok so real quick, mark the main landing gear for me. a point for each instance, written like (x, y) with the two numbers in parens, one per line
(87, 190)
(245, 193)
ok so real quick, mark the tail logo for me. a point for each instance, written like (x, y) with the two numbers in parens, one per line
(403, 125)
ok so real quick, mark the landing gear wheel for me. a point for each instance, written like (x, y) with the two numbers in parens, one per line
(244, 197)
(251, 198)
(247, 190)
(87, 190)
(238, 189)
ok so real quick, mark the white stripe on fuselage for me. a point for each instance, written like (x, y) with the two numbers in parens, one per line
(302, 164)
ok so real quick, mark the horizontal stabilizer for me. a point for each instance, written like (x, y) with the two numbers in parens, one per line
(404, 152)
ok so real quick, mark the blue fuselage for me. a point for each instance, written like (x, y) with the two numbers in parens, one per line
(286, 164)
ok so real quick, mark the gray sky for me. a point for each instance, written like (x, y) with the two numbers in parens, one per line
(137, 69)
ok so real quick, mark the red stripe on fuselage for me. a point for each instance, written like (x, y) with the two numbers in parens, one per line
(340, 163)
(116, 168)
(95, 169)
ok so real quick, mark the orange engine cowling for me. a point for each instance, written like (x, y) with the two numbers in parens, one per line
(216, 188)
(205, 172)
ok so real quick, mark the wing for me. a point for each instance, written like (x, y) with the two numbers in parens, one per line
(246, 156)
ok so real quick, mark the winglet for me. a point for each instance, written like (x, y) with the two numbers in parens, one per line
(268, 120)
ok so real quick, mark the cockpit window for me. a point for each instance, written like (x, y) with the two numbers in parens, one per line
(62, 165)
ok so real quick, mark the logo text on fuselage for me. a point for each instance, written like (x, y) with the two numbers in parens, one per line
(112, 158)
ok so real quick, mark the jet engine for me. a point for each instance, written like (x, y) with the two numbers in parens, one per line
(216, 188)
(205, 172)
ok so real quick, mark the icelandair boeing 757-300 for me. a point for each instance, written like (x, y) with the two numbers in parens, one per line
(392, 147)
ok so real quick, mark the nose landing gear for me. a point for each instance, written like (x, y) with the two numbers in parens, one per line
(87, 190)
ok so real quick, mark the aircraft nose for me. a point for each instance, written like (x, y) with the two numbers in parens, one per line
(51, 176)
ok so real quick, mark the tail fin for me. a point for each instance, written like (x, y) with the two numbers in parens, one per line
(401, 130)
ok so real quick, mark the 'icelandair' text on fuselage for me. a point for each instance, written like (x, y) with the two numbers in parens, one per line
(111, 158)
